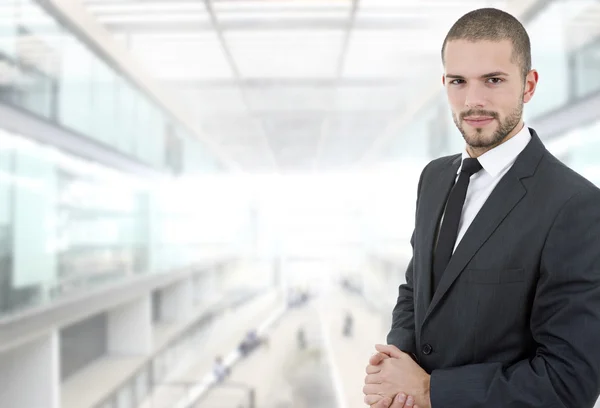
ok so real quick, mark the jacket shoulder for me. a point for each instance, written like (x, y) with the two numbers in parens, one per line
(564, 180)
(440, 164)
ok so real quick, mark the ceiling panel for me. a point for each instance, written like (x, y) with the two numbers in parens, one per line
(101, 7)
(148, 12)
(181, 56)
(229, 128)
(261, 76)
(286, 54)
(290, 98)
(211, 100)
(387, 53)
(429, 13)
(251, 157)
(450, 4)
(372, 98)
(294, 138)
(280, 5)
(237, 16)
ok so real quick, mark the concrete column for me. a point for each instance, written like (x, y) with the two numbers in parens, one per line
(130, 328)
(177, 301)
(30, 374)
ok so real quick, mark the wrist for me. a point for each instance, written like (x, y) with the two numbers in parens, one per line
(427, 391)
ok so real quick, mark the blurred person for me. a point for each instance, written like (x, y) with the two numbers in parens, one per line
(220, 371)
(250, 342)
(301, 338)
(501, 305)
(291, 298)
(348, 325)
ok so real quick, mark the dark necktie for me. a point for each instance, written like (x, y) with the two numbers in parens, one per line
(449, 230)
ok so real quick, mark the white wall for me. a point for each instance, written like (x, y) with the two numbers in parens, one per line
(30, 375)
(130, 328)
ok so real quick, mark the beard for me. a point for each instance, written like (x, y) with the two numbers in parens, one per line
(477, 138)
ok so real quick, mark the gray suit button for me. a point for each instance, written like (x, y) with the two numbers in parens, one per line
(427, 349)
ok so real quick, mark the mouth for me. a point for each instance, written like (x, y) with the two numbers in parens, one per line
(478, 121)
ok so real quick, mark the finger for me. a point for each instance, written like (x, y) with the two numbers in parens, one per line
(373, 369)
(399, 401)
(390, 350)
(374, 389)
(403, 401)
(384, 403)
(373, 379)
(378, 358)
(371, 399)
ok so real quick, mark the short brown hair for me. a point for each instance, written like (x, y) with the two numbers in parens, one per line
(493, 25)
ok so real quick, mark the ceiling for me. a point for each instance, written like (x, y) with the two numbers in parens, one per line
(289, 85)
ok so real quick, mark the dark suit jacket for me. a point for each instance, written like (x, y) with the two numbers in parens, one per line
(515, 321)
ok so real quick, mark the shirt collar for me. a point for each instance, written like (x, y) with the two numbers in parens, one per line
(496, 160)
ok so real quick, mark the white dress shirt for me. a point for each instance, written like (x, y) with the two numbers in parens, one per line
(496, 163)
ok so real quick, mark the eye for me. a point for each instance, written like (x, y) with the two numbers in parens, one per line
(495, 81)
(457, 81)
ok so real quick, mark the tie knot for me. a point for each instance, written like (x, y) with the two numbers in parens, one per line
(471, 166)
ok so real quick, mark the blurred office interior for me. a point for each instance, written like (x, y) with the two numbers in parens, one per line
(182, 180)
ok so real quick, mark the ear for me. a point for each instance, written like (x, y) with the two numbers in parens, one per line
(443, 79)
(531, 81)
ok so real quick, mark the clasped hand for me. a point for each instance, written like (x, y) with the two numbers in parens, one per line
(395, 380)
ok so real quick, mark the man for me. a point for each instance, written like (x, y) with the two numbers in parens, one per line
(501, 306)
(220, 371)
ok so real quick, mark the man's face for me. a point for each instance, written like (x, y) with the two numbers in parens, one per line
(486, 90)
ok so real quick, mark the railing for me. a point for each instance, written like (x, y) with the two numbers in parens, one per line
(210, 382)
(148, 376)
(251, 392)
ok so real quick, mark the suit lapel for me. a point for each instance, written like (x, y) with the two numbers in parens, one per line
(502, 200)
(432, 207)
(505, 196)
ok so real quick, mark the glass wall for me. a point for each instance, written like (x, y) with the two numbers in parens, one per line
(586, 69)
(67, 224)
(567, 55)
(579, 149)
(46, 70)
(549, 57)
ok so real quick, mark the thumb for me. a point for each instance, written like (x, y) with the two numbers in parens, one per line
(390, 350)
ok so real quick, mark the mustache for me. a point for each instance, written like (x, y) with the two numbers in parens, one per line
(478, 112)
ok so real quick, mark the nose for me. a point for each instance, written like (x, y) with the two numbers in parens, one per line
(475, 96)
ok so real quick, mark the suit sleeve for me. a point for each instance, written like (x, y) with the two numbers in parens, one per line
(402, 333)
(565, 323)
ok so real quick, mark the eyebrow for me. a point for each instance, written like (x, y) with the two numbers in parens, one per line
(490, 75)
